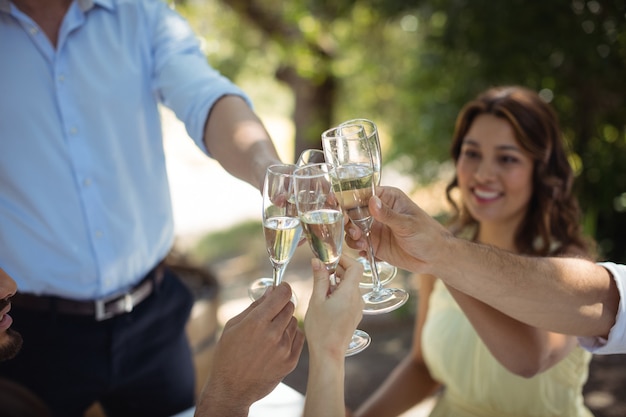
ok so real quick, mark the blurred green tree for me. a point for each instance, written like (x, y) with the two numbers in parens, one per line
(331, 55)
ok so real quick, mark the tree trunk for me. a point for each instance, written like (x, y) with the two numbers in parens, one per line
(313, 110)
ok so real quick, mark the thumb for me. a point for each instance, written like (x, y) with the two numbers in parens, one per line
(321, 282)
(382, 213)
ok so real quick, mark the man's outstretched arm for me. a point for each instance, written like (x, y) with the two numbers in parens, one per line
(565, 295)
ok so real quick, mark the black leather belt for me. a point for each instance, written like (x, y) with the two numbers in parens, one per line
(101, 309)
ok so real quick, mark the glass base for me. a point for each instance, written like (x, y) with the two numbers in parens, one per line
(384, 300)
(258, 288)
(386, 272)
(360, 340)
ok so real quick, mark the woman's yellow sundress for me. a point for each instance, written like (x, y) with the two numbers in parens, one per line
(477, 385)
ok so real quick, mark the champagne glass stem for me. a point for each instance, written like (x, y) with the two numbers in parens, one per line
(277, 274)
(370, 255)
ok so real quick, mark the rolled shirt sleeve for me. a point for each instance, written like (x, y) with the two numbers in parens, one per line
(616, 342)
(183, 78)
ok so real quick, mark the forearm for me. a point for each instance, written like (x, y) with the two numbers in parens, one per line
(564, 295)
(325, 388)
(216, 401)
(408, 385)
(237, 139)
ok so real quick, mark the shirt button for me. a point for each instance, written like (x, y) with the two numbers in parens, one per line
(87, 182)
(99, 234)
(61, 78)
(33, 30)
(73, 131)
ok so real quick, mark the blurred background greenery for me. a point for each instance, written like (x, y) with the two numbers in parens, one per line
(411, 65)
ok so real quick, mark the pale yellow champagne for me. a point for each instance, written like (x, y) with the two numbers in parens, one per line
(282, 235)
(324, 231)
(355, 187)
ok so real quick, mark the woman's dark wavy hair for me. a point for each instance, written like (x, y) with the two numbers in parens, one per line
(553, 221)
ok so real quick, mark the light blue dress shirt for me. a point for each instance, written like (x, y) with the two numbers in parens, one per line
(85, 206)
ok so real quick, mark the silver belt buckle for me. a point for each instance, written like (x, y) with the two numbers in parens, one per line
(101, 306)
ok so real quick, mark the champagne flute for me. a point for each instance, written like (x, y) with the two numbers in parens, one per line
(322, 221)
(347, 146)
(281, 225)
(386, 271)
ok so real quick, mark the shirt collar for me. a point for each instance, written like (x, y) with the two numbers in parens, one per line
(86, 5)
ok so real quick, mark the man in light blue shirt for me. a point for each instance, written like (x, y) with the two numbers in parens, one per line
(85, 211)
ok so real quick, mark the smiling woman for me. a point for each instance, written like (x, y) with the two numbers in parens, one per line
(494, 175)
(507, 142)
(514, 188)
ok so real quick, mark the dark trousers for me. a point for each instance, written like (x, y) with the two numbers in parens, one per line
(136, 364)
